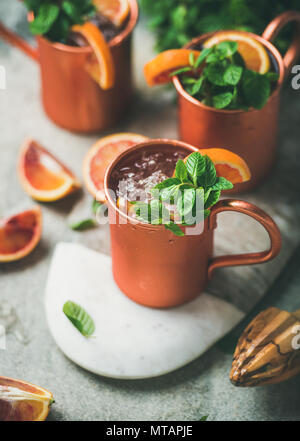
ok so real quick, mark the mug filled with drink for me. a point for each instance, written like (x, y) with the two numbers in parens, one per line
(228, 85)
(85, 60)
(163, 198)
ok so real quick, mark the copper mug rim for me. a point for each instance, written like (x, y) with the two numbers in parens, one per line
(164, 142)
(116, 41)
(270, 47)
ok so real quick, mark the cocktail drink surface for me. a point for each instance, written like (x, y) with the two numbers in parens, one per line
(71, 97)
(108, 29)
(134, 178)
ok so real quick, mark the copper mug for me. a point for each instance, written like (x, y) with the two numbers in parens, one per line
(251, 134)
(154, 267)
(71, 98)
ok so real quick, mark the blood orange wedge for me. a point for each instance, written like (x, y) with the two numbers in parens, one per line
(115, 10)
(20, 234)
(228, 164)
(43, 176)
(101, 64)
(101, 155)
(22, 401)
(158, 70)
(253, 52)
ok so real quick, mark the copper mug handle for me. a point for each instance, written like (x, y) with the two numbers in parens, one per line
(17, 41)
(249, 258)
(273, 29)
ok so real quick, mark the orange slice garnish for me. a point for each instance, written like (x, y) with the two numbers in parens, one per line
(253, 52)
(42, 175)
(101, 155)
(101, 64)
(22, 401)
(115, 10)
(229, 165)
(19, 235)
(158, 70)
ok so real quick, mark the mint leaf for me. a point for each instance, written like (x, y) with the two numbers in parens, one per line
(233, 74)
(222, 184)
(272, 76)
(206, 213)
(188, 80)
(180, 71)
(256, 89)
(215, 73)
(155, 210)
(204, 418)
(227, 48)
(222, 100)
(70, 9)
(238, 60)
(213, 198)
(154, 213)
(192, 59)
(169, 193)
(197, 86)
(80, 318)
(200, 194)
(167, 183)
(206, 194)
(213, 57)
(202, 57)
(175, 229)
(195, 165)
(46, 16)
(186, 201)
(210, 176)
(84, 225)
(181, 171)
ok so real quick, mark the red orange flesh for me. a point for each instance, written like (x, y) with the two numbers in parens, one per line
(101, 155)
(20, 234)
(42, 175)
(22, 401)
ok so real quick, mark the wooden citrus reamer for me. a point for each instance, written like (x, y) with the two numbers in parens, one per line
(268, 351)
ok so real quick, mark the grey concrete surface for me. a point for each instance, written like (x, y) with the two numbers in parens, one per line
(201, 388)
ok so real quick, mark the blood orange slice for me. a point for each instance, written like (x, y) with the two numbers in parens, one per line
(22, 401)
(43, 176)
(115, 10)
(158, 70)
(101, 64)
(20, 234)
(228, 164)
(100, 156)
(253, 52)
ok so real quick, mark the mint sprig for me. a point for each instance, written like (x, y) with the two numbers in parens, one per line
(54, 18)
(185, 198)
(218, 78)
